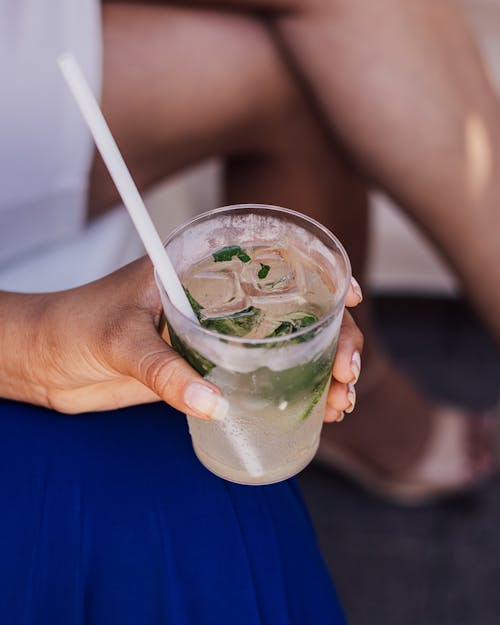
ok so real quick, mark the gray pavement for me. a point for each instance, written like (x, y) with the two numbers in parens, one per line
(432, 565)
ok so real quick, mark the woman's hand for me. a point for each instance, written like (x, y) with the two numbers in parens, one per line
(347, 365)
(98, 347)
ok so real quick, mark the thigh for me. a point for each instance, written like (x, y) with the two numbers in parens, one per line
(182, 84)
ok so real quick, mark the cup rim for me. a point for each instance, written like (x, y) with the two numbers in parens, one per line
(231, 208)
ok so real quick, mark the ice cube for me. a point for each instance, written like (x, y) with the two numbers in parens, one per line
(218, 292)
(272, 272)
(279, 303)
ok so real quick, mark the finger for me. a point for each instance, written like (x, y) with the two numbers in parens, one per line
(332, 415)
(341, 397)
(160, 368)
(347, 364)
(354, 294)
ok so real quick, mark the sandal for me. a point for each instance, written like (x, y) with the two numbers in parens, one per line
(441, 471)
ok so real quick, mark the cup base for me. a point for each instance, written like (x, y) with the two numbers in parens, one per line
(240, 476)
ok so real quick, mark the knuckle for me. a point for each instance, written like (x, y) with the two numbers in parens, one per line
(347, 323)
(57, 399)
(359, 339)
(350, 333)
(159, 371)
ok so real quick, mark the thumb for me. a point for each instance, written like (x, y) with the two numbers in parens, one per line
(159, 367)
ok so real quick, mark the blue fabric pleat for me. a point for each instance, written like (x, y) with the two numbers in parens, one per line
(109, 519)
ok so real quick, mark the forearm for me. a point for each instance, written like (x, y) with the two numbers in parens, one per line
(20, 346)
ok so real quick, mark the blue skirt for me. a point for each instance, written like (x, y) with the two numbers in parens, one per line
(109, 519)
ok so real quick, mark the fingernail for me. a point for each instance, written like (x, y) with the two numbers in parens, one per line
(351, 396)
(356, 288)
(205, 402)
(340, 417)
(356, 366)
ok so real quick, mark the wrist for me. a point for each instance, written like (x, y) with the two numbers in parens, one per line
(22, 346)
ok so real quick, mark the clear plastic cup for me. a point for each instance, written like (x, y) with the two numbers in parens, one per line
(276, 387)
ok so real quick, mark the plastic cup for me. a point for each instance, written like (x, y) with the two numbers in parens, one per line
(276, 387)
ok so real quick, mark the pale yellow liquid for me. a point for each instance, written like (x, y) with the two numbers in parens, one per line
(272, 445)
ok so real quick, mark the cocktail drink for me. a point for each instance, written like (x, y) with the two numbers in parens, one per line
(268, 287)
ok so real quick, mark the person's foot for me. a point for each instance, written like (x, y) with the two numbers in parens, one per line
(399, 446)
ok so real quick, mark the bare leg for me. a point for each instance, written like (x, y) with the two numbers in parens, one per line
(411, 102)
(434, 140)
(402, 85)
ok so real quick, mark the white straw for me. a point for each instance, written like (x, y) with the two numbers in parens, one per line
(246, 453)
(124, 183)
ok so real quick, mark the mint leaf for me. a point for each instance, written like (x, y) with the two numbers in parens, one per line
(264, 270)
(228, 252)
(194, 304)
(244, 257)
(195, 359)
(293, 322)
(296, 382)
(316, 395)
(237, 324)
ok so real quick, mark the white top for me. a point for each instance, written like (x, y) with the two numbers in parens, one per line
(46, 151)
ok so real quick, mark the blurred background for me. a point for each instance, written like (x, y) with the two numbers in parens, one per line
(401, 259)
(440, 564)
